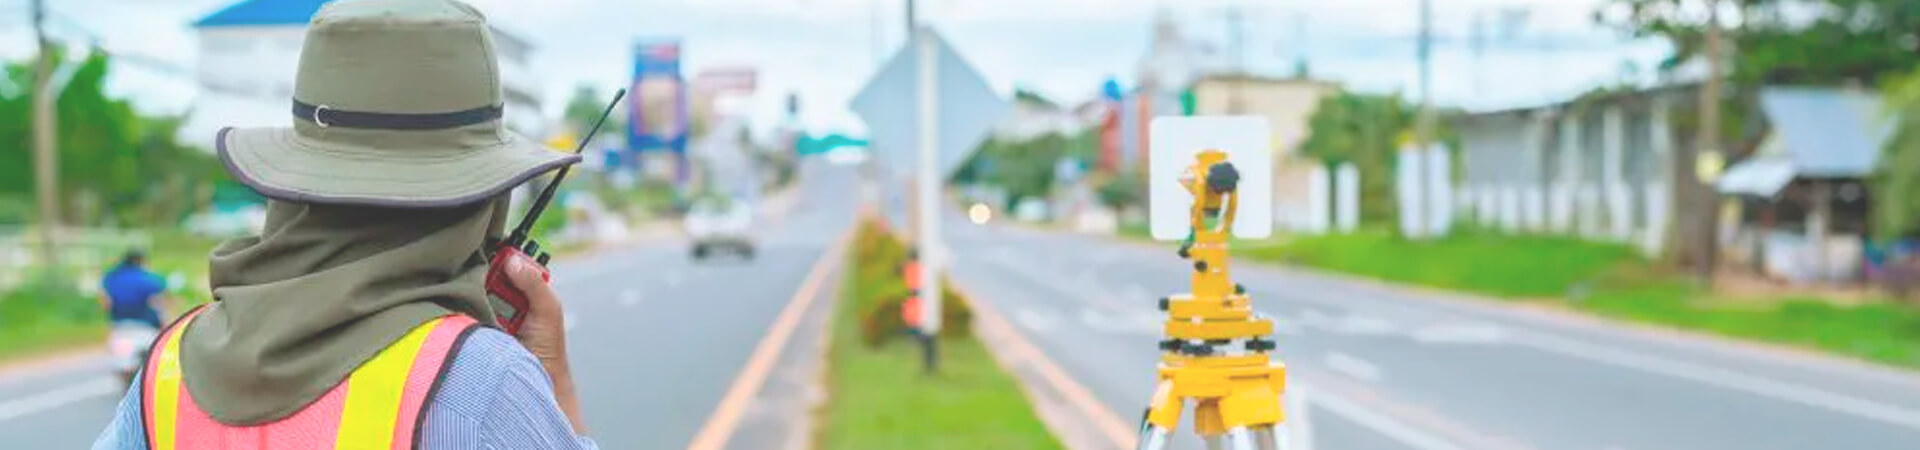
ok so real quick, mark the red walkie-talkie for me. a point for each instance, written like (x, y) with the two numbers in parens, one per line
(509, 304)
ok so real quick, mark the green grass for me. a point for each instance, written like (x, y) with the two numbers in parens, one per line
(1508, 266)
(1608, 280)
(37, 319)
(881, 398)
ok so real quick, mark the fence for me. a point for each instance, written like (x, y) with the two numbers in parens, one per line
(82, 251)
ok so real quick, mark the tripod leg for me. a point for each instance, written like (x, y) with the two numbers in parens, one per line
(1242, 439)
(1207, 422)
(1266, 438)
(1161, 418)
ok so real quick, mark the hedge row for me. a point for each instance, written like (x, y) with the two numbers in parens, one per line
(879, 290)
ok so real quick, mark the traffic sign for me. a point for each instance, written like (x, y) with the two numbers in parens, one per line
(968, 107)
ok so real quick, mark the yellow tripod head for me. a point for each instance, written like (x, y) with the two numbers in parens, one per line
(1217, 350)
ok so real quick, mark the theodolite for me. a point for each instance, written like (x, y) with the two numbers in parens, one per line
(1216, 353)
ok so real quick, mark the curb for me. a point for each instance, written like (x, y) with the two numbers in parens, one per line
(1069, 411)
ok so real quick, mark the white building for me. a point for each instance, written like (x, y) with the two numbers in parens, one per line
(248, 53)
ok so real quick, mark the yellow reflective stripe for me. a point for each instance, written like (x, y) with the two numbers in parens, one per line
(373, 393)
(166, 388)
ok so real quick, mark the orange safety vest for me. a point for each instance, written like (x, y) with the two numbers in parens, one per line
(380, 405)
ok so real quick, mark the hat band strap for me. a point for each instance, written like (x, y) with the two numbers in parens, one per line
(334, 118)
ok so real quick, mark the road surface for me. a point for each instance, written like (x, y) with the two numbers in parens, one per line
(657, 341)
(1393, 369)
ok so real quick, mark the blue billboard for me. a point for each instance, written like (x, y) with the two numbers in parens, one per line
(657, 112)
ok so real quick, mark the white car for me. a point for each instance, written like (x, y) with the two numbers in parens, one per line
(721, 226)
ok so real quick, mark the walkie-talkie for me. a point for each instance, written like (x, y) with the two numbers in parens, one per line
(509, 304)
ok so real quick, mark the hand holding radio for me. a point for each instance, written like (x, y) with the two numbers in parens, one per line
(510, 300)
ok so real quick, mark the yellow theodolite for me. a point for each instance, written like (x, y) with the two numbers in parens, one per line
(1216, 351)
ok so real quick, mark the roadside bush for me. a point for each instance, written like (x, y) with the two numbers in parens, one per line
(879, 293)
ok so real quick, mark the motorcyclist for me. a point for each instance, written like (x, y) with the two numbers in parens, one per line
(130, 292)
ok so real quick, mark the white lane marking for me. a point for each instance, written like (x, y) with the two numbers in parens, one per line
(60, 397)
(630, 297)
(1729, 380)
(1460, 334)
(1121, 323)
(1361, 325)
(1033, 320)
(1352, 367)
(1298, 427)
(1386, 425)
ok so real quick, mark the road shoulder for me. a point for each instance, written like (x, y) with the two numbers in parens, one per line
(1068, 409)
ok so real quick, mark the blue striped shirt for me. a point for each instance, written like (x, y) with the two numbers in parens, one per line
(495, 396)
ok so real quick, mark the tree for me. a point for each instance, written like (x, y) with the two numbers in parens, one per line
(1364, 130)
(1896, 182)
(585, 107)
(1857, 40)
(117, 168)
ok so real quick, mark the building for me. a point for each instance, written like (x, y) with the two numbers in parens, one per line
(1601, 167)
(1802, 200)
(249, 51)
(1288, 104)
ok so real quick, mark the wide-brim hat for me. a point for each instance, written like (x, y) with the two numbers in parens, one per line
(396, 103)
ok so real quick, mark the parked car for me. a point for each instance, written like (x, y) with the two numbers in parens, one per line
(721, 226)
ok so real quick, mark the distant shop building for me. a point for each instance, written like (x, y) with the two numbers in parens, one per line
(249, 51)
(1600, 167)
(1288, 104)
(1802, 202)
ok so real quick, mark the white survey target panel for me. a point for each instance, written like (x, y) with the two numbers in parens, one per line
(1173, 142)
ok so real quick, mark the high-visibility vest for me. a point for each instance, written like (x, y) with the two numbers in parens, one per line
(381, 405)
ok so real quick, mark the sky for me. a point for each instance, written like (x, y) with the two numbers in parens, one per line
(825, 50)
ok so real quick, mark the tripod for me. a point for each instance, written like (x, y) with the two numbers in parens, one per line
(1216, 350)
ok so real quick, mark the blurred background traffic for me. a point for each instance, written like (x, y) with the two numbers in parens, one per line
(1740, 168)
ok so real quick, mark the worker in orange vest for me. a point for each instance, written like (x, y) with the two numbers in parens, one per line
(360, 317)
(910, 310)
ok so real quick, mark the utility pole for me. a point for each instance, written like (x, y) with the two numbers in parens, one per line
(1423, 125)
(1707, 246)
(45, 163)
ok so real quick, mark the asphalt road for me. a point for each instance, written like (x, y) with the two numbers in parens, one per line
(1387, 368)
(656, 339)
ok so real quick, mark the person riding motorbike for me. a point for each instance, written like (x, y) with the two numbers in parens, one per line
(133, 298)
(131, 293)
(359, 316)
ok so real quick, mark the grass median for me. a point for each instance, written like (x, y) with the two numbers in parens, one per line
(1610, 280)
(879, 395)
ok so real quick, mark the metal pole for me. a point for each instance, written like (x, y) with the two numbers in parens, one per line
(1707, 249)
(45, 165)
(931, 256)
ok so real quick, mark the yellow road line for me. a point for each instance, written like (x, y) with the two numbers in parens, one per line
(726, 418)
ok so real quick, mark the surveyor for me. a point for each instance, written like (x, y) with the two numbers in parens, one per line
(359, 317)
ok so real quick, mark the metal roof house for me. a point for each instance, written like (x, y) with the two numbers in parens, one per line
(248, 52)
(1803, 202)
